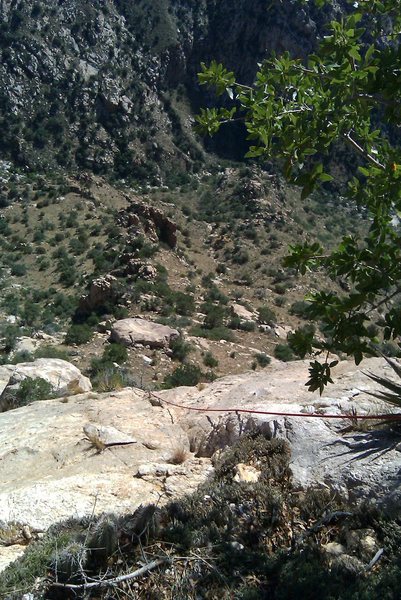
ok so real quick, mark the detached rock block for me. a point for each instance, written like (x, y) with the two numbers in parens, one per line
(129, 332)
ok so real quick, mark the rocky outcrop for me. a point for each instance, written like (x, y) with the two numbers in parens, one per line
(130, 332)
(61, 458)
(52, 466)
(154, 223)
(242, 313)
(65, 379)
(102, 291)
(357, 463)
(138, 268)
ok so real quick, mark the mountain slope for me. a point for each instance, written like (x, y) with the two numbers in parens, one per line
(110, 86)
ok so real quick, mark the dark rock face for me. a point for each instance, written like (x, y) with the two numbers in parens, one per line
(102, 291)
(155, 224)
(97, 85)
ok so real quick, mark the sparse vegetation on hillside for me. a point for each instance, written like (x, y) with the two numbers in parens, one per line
(186, 289)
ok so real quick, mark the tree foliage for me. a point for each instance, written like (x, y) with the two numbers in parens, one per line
(297, 111)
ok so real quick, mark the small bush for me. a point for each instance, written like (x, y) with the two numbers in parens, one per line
(112, 378)
(115, 353)
(20, 357)
(51, 352)
(214, 315)
(183, 375)
(283, 352)
(279, 301)
(184, 304)
(217, 333)
(241, 256)
(210, 361)
(281, 288)
(178, 456)
(18, 269)
(78, 334)
(266, 315)
(67, 276)
(180, 349)
(247, 326)
(31, 390)
(215, 295)
(262, 359)
(300, 308)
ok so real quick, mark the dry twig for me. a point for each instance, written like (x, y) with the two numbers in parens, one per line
(112, 582)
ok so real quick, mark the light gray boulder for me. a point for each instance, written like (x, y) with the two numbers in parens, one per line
(66, 379)
(129, 332)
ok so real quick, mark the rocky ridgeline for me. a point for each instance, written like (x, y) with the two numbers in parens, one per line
(112, 452)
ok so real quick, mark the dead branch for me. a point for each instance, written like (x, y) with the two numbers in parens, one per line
(112, 582)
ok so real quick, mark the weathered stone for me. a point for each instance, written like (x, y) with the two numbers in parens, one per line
(246, 473)
(26, 344)
(65, 378)
(242, 312)
(9, 554)
(102, 291)
(334, 549)
(156, 225)
(140, 331)
(322, 451)
(136, 266)
(281, 331)
(49, 470)
(102, 436)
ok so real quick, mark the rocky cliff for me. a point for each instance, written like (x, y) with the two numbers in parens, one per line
(111, 86)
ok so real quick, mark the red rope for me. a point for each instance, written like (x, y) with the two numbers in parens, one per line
(395, 417)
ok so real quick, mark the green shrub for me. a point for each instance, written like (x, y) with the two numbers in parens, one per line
(210, 361)
(279, 301)
(262, 359)
(78, 334)
(32, 390)
(234, 322)
(180, 349)
(18, 269)
(67, 275)
(48, 351)
(184, 304)
(215, 295)
(266, 315)
(281, 288)
(214, 315)
(217, 333)
(247, 326)
(240, 256)
(183, 375)
(108, 378)
(115, 353)
(283, 352)
(300, 308)
(9, 334)
(104, 369)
